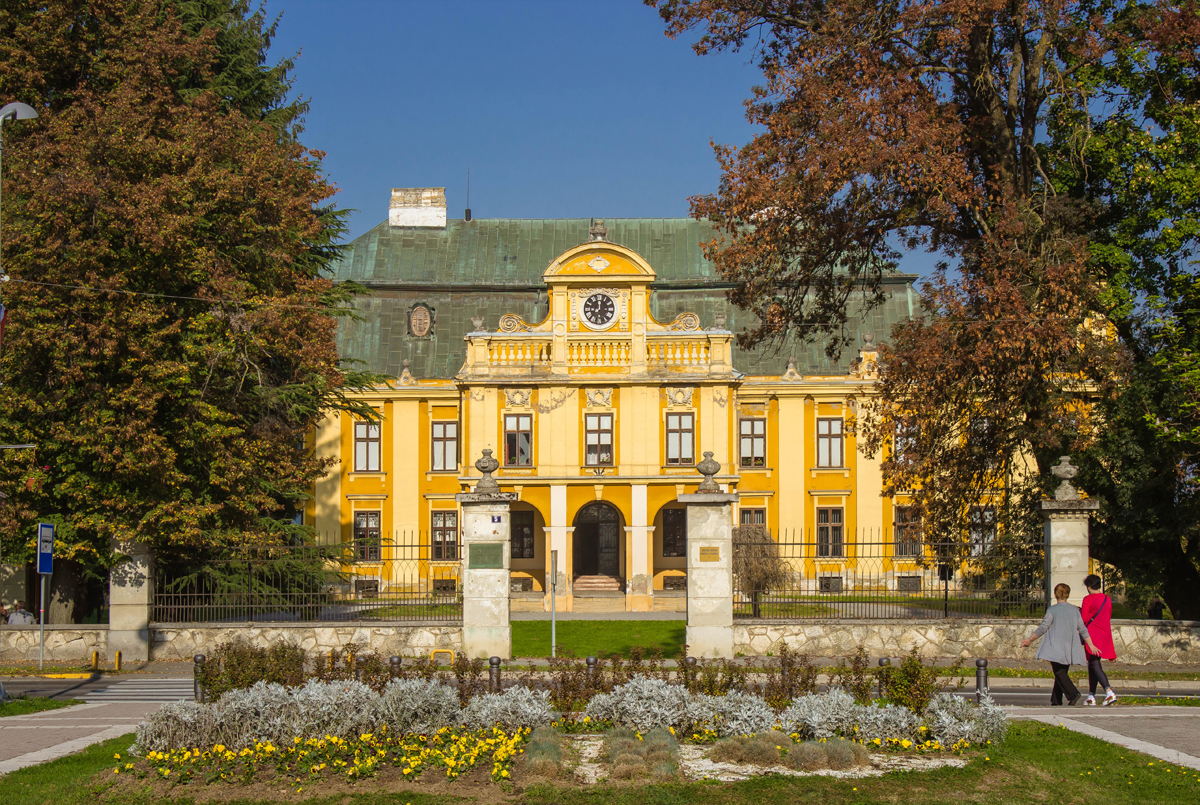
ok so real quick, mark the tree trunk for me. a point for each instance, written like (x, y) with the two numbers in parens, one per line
(1181, 580)
(67, 593)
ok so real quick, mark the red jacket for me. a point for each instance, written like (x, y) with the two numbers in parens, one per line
(1100, 627)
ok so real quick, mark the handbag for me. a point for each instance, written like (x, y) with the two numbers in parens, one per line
(1095, 615)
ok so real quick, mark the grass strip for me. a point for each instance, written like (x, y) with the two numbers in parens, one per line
(66, 781)
(598, 638)
(37, 704)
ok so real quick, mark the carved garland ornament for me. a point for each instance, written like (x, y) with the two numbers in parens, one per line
(599, 398)
(518, 398)
(680, 396)
(685, 321)
(512, 323)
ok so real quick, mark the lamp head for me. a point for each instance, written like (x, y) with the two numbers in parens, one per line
(17, 111)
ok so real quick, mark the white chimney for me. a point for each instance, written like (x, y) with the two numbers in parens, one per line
(418, 206)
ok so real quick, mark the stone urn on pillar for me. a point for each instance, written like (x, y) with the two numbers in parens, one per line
(1066, 532)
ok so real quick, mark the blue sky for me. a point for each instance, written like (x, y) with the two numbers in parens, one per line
(559, 108)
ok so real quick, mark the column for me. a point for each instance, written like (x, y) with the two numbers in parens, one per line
(1066, 532)
(709, 566)
(131, 594)
(640, 588)
(560, 537)
(486, 552)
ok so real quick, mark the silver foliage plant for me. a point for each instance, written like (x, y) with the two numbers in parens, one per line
(515, 707)
(418, 705)
(951, 719)
(820, 715)
(641, 703)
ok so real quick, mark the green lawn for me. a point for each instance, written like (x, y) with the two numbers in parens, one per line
(598, 638)
(1038, 764)
(21, 707)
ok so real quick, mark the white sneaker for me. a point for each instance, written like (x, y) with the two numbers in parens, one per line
(1090, 701)
(1109, 698)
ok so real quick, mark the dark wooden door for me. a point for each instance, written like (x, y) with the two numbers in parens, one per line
(608, 543)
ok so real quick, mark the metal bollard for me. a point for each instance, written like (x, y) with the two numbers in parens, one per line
(981, 680)
(117, 661)
(95, 660)
(884, 662)
(394, 665)
(197, 668)
(591, 670)
(493, 674)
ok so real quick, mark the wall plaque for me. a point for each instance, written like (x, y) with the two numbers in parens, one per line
(710, 554)
(486, 556)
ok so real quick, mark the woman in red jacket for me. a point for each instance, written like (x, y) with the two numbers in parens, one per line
(1097, 616)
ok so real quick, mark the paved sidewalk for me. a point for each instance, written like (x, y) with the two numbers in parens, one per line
(1167, 733)
(38, 737)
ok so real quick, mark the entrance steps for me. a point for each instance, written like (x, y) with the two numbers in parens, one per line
(596, 584)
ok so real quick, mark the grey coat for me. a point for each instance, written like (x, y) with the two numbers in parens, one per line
(1063, 629)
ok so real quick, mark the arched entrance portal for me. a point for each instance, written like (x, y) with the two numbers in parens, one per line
(597, 543)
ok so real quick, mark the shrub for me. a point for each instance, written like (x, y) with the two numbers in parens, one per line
(951, 719)
(641, 703)
(515, 707)
(341, 709)
(888, 721)
(842, 754)
(788, 677)
(545, 753)
(821, 715)
(758, 750)
(238, 664)
(418, 705)
(912, 684)
(656, 754)
(741, 714)
(806, 756)
(857, 678)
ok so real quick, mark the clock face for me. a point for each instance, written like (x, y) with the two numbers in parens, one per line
(599, 309)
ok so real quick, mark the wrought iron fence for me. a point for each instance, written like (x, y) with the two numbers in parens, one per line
(399, 578)
(869, 574)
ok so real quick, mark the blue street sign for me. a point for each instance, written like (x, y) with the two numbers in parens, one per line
(45, 548)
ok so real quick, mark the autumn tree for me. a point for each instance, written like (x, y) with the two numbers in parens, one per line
(170, 338)
(968, 128)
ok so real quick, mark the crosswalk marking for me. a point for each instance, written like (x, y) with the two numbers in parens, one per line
(141, 690)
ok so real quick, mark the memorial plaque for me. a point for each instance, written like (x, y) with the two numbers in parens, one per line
(487, 556)
(710, 554)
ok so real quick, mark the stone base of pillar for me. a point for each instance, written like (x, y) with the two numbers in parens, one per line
(130, 598)
(710, 641)
(134, 644)
(486, 549)
(1067, 549)
(487, 641)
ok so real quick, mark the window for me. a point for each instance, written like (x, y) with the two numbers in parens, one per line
(366, 447)
(753, 448)
(829, 442)
(445, 535)
(366, 536)
(445, 447)
(753, 517)
(680, 439)
(674, 532)
(829, 532)
(982, 437)
(982, 529)
(599, 433)
(908, 532)
(518, 440)
(522, 535)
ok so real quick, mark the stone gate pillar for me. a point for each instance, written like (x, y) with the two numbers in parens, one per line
(487, 536)
(709, 566)
(1066, 530)
(130, 598)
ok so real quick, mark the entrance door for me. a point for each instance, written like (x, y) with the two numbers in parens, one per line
(597, 543)
(609, 562)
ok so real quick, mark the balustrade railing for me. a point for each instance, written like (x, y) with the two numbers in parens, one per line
(674, 353)
(598, 353)
(519, 353)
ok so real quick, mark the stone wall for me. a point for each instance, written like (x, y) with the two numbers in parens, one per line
(406, 640)
(1138, 642)
(64, 642)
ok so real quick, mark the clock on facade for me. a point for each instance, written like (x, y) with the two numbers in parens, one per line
(599, 309)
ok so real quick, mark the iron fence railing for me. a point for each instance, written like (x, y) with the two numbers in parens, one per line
(399, 578)
(834, 573)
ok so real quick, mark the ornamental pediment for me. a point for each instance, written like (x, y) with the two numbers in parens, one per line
(598, 260)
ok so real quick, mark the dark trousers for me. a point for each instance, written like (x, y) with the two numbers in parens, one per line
(1063, 686)
(1096, 675)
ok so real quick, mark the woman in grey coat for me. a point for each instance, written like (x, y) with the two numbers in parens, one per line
(1063, 645)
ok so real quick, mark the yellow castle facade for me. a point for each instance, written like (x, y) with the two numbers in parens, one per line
(598, 413)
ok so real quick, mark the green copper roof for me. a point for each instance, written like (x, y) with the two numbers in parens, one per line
(489, 267)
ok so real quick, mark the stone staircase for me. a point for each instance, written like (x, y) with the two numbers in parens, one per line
(586, 585)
